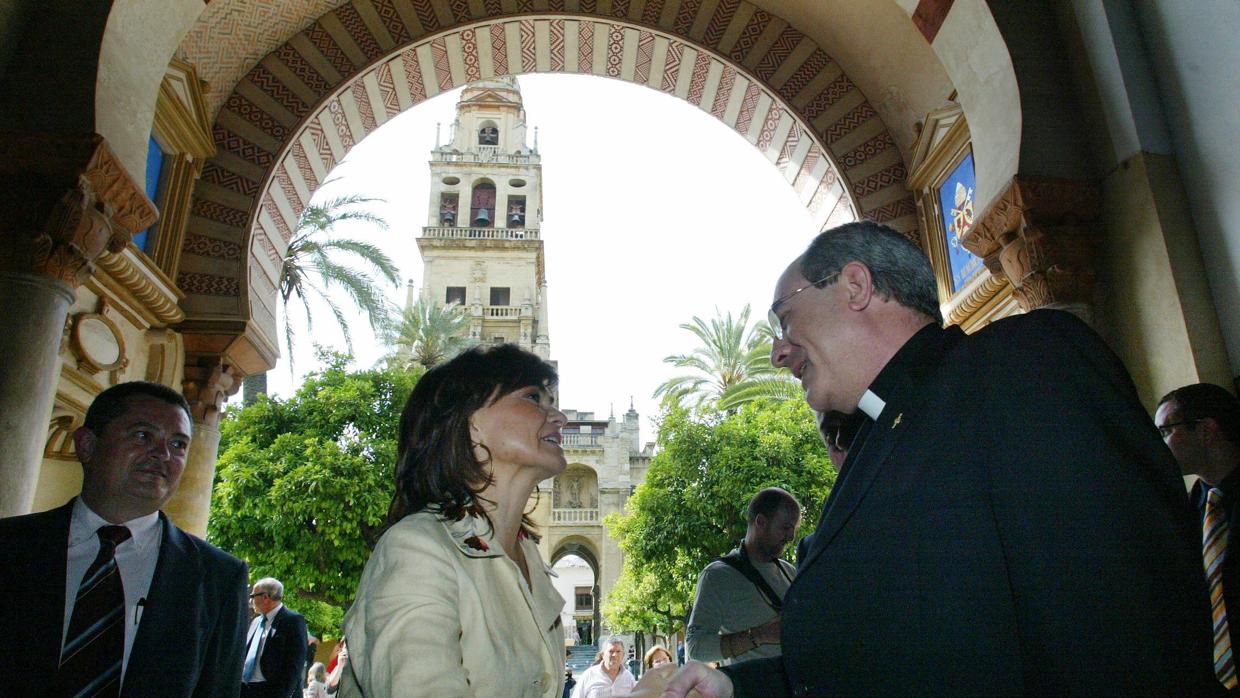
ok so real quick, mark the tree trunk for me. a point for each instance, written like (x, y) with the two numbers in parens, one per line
(252, 387)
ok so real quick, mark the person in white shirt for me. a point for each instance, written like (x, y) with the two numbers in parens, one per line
(609, 677)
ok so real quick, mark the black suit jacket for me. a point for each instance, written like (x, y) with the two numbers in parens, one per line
(284, 654)
(191, 637)
(1012, 524)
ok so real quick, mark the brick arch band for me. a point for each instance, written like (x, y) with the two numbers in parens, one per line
(303, 107)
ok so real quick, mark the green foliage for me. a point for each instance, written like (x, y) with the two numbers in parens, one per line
(729, 367)
(302, 486)
(691, 508)
(312, 266)
(428, 333)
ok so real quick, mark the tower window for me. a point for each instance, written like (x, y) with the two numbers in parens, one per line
(482, 205)
(447, 209)
(456, 294)
(516, 212)
(500, 295)
(488, 135)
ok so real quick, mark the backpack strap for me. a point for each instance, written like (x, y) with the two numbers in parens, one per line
(738, 560)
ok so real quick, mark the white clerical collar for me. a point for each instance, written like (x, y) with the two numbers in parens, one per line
(872, 405)
(85, 522)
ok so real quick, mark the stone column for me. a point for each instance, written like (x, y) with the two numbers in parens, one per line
(66, 200)
(208, 383)
(1043, 235)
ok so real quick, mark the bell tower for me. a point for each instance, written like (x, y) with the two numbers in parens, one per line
(480, 246)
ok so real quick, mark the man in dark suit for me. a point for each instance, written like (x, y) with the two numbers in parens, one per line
(1200, 423)
(1007, 521)
(275, 645)
(168, 609)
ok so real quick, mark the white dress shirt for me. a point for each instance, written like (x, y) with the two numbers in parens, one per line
(135, 558)
(257, 676)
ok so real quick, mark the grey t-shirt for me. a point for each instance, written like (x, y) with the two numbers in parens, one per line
(727, 602)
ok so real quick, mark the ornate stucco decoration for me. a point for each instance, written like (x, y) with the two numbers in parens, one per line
(127, 272)
(68, 201)
(1042, 235)
(207, 385)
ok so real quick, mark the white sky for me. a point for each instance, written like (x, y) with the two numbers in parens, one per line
(654, 211)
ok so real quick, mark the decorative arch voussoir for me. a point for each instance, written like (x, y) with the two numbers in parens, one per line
(299, 111)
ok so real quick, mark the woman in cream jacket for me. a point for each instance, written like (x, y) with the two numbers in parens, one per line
(455, 600)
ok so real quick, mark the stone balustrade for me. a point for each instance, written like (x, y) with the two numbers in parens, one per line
(574, 516)
(480, 233)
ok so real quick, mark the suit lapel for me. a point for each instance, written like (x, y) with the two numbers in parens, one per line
(908, 385)
(50, 557)
(171, 610)
(870, 459)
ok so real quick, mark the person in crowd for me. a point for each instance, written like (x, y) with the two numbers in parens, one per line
(569, 681)
(609, 677)
(1200, 423)
(1007, 522)
(316, 681)
(455, 600)
(105, 592)
(336, 667)
(736, 609)
(838, 431)
(275, 650)
(656, 656)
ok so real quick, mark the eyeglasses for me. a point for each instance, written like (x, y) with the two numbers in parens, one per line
(1166, 429)
(772, 316)
(258, 593)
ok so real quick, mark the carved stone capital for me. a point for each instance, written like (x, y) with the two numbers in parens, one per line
(68, 200)
(208, 384)
(1043, 235)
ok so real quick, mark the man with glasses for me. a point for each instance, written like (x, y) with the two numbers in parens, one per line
(1200, 423)
(1006, 522)
(275, 649)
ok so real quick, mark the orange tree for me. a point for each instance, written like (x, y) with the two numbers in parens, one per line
(692, 506)
(302, 485)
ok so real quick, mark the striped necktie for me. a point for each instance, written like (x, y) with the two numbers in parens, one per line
(91, 660)
(1214, 549)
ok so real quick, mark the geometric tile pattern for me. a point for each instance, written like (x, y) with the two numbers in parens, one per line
(204, 246)
(671, 66)
(697, 84)
(645, 53)
(499, 47)
(830, 94)
(469, 48)
(748, 104)
(749, 35)
(615, 50)
(320, 93)
(724, 92)
(556, 47)
(719, 21)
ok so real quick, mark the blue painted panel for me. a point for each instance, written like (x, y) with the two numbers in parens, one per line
(956, 200)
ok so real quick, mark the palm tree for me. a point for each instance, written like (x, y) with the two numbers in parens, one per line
(312, 266)
(732, 363)
(428, 334)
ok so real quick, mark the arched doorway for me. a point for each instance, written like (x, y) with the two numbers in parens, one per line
(577, 565)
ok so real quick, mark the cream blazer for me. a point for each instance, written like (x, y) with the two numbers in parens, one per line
(442, 612)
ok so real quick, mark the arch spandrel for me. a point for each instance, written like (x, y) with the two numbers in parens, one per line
(303, 106)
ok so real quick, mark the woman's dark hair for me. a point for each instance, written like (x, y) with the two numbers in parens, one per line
(435, 461)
